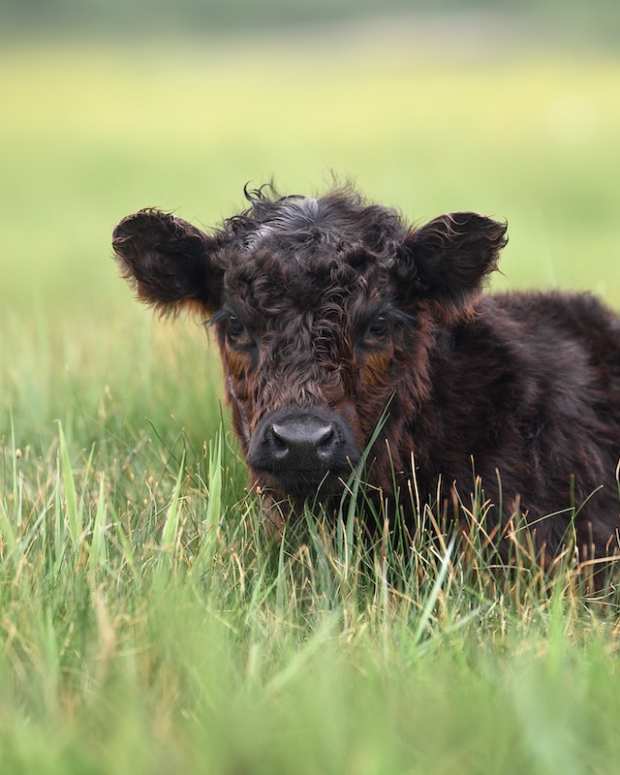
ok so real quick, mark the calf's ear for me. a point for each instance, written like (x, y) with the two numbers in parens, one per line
(168, 261)
(447, 259)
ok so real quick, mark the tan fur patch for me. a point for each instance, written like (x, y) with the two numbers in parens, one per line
(375, 370)
(236, 363)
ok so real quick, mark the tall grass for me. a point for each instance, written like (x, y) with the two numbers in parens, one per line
(148, 623)
(167, 630)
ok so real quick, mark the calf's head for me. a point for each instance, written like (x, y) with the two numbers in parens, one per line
(325, 311)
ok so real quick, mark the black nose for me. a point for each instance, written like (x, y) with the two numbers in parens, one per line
(296, 444)
(302, 442)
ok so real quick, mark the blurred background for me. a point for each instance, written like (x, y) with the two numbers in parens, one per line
(134, 635)
(509, 109)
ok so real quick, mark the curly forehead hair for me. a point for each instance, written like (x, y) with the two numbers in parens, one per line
(290, 254)
(336, 222)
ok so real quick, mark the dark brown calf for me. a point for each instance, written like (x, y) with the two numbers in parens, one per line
(330, 312)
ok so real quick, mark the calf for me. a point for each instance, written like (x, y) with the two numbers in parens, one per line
(333, 314)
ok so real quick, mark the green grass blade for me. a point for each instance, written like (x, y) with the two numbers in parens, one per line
(73, 512)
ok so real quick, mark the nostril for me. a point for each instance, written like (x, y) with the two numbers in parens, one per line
(325, 443)
(324, 436)
(276, 436)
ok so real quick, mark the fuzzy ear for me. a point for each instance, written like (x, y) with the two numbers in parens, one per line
(167, 260)
(447, 259)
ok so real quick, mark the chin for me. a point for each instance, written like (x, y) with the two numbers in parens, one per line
(303, 486)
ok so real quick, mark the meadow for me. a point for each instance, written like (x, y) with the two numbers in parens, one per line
(147, 624)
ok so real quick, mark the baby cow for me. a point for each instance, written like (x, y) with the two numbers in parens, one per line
(332, 314)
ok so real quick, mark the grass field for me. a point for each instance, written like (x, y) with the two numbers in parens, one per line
(146, 624)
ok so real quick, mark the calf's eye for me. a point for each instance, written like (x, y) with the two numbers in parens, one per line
(378, 328)
(236, 331)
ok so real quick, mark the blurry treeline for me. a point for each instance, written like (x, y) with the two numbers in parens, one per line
(595, 19)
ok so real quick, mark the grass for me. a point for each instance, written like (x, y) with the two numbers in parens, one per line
(147, 623)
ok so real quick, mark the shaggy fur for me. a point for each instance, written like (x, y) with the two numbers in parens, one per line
(334, 303)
